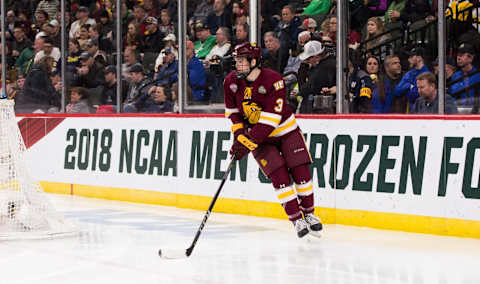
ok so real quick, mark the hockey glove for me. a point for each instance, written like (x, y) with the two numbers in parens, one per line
(242, 146)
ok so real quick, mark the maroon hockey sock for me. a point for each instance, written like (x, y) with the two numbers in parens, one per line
(307, 204)
(303, 184)
(286, 193)
(292, 209)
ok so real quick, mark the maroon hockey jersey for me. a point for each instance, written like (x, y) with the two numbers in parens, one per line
(267, 95)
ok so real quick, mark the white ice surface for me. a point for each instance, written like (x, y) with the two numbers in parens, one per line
(120, 241)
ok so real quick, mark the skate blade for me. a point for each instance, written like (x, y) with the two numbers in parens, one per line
(314, 234)
(310, 238)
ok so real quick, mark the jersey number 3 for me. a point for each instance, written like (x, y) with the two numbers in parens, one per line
(279, 106)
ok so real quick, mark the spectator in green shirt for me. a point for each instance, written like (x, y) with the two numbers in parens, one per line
(24, 60)
(317, 7)
(205, 41)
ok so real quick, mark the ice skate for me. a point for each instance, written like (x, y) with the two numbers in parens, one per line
(314, 224)
(301, 227)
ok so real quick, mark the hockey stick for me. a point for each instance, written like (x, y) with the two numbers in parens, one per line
(174, 254)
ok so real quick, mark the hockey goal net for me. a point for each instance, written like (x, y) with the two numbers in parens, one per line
(25, 211)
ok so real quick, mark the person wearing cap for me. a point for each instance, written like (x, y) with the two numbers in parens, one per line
(309, 24)
(109, 91)
(90, 74)
(168, 72)
(205, 41)
(427, 103)
(467, 76)
(408, 85)
(53, 31)
(82, 13)
(152, 39)
(170, 40)
(317, 7)
(138, 89)
(98, 55)
(170, 44)
(321, 77)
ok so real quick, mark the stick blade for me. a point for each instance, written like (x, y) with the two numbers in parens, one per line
(172, 253)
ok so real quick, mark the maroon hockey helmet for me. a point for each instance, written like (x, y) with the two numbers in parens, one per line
(249, 50)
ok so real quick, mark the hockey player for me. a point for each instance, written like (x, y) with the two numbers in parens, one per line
(255, 102)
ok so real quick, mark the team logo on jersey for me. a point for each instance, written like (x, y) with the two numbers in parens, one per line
(233, 87)
(262, 90)
(247, 94)
(278, 85)
(263, 162)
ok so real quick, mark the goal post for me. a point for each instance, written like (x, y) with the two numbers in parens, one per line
(25, 211)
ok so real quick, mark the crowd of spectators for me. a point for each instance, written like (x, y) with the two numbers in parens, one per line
(392, 43)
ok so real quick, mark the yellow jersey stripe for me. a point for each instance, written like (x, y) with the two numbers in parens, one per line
(275, 120)
(272, 115)
(282, 129)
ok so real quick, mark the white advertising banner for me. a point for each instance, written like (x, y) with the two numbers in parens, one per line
(427, 167)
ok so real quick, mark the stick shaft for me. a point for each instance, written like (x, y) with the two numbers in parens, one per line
(209, 210)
